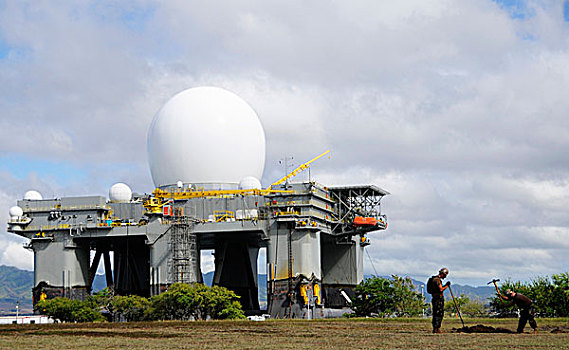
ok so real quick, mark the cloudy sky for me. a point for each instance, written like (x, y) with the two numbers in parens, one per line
(460, 109)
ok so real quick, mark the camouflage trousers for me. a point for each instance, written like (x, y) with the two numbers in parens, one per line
(438, 308)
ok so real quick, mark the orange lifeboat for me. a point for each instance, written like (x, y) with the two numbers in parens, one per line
(362, 221)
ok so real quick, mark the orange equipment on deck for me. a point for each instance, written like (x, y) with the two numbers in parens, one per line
(361, 221)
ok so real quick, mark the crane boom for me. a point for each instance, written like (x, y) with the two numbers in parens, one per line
(293, 173)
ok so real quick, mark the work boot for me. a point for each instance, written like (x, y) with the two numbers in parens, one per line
(535, 331)
(437, 330)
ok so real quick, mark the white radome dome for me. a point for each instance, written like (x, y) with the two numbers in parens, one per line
(16, 212)
(205, 135)
(120, 192)
(249, 183)
(33, 196)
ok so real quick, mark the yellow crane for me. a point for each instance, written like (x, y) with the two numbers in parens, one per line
(155, 203)
(187, 194)
(293, 173)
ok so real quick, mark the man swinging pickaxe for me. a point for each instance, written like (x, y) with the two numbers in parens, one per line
(495, 285)
(523, 303)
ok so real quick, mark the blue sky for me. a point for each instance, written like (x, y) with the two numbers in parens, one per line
(521, 9)
(131, 16)
(22, 166)
(456, 108)
(4, 49)
(518, 9)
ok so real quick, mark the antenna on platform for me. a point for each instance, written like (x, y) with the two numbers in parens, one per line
(287, 161)
(295, 171)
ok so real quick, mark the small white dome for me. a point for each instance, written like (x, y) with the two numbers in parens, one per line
(16, 211)
(249, 183)
(120, 192)
(33, 196)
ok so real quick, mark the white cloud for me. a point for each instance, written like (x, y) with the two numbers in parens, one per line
(14, 254)
(456, 108)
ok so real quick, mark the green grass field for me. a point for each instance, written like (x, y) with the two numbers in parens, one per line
(281, 334)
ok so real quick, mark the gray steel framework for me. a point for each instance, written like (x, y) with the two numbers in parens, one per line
(183, 264)
(314, 250)
(352, 201)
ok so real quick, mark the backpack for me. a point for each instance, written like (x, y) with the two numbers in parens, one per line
(431, 285)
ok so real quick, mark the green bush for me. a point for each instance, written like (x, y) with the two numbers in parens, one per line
(67, 310)
(195, 302)
(468, 307)
(180, 302)
(130, 308)
(407, 301)
(560, 294)
(387, 297)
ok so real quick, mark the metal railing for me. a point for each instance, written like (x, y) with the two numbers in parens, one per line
(65, 208)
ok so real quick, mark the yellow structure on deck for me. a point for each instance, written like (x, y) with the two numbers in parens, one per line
(154, 205)
(293, 173)
(187, 194)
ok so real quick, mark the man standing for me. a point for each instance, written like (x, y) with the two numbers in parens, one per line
(436, 289)
(525, 305)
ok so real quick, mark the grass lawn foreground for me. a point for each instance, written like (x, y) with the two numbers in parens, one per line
(398, 333)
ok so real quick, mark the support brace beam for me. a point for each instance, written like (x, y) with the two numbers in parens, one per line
(108, 270)
(93, 269)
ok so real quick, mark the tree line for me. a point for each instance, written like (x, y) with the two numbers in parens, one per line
(376, 296)
(550, 296)
(180, 302)
(398, 297)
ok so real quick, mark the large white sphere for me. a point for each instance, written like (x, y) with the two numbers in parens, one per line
(249, 183)
(16, 212)
(33, 196)
(205, 135)
(120, 192)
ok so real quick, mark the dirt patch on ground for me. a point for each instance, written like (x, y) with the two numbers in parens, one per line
(482, 329)
(402, 333)
(487, 329)
(554, 329)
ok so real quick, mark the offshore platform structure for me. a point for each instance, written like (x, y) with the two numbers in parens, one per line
(314, 235)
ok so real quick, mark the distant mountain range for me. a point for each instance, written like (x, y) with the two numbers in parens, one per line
(474, 293)
(16, 289)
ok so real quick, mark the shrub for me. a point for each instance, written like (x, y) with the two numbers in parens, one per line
(195, 302)
(468, 307)
(130, 308)
(67, 310)
(385, 297)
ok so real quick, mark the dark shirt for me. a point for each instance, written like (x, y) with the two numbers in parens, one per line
(520, 300)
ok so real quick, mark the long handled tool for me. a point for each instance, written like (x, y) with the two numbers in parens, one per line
(456, 305)
(495, 285)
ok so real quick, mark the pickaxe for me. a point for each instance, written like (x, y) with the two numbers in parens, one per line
(495, 285)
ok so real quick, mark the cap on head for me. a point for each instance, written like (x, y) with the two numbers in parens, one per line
(444, 271)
